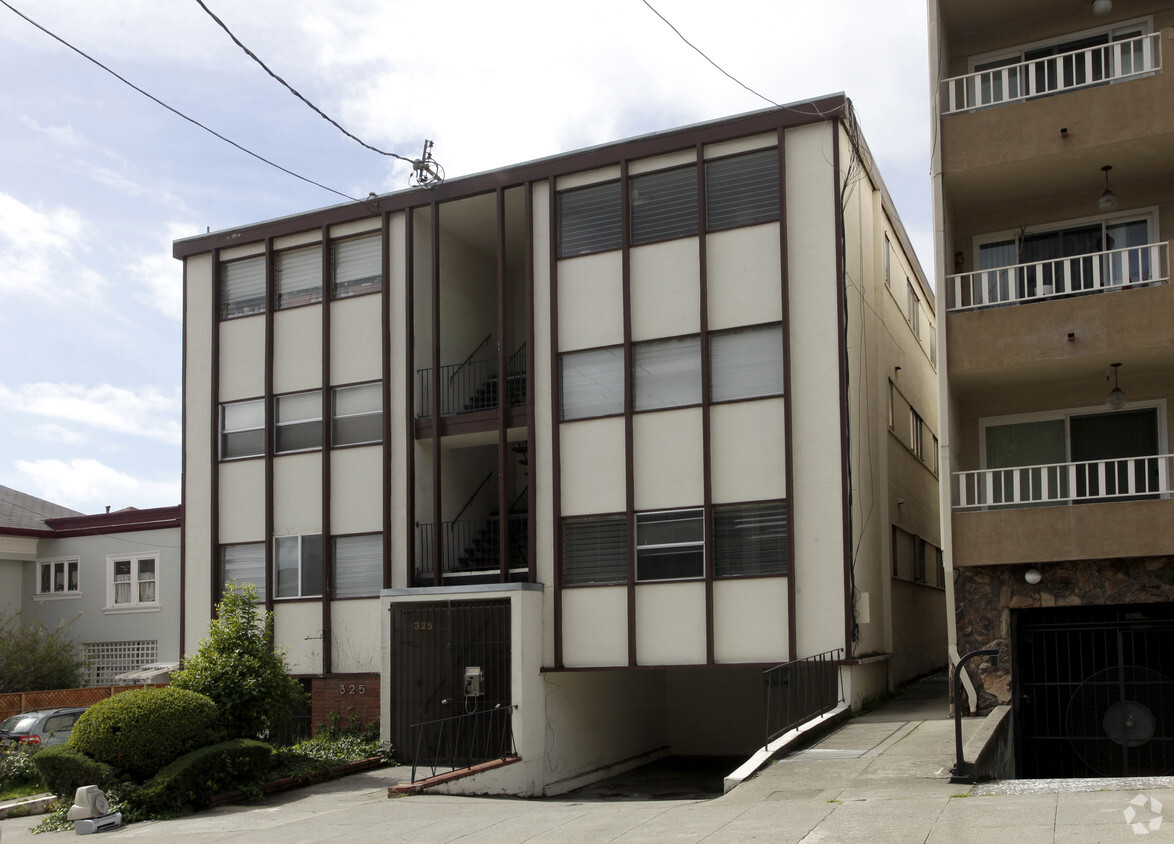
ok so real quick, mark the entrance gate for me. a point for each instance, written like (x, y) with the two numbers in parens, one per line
(433, 645)
(1094, 691)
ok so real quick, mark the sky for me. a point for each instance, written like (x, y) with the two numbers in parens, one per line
(97, 180)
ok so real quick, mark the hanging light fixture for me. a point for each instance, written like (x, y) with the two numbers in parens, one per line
(1108, 200)
(1100, 8)
(1116, 399)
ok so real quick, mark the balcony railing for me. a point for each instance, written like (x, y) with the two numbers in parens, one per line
(1094, 272)
(1065, 483)
(798, 691)
(470, 548)
(473, 386)
(1053, 74)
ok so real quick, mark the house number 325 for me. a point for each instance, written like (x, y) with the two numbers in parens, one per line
(352, 689)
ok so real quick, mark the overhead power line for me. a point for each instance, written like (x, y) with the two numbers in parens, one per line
(426, 172)
(173, 110)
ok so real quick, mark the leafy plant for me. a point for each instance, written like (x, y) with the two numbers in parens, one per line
(19, 777)
(64, 770)
(34, 657)
(142, 730)
(237, 668)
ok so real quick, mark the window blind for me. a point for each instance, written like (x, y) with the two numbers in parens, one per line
(242, 287)
(299, 276)
(592, 383)
(358, 265)
(667, 373)
(750, 539)
(595, 550)
(664, 205)
(746, 363)
(742, 190)
(589, 220)
(244, 564)
(358, 565)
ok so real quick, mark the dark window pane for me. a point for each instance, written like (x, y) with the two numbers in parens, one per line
(589, 220)
(670, 563)
(244, 444)
(742, 190)
(664, 205)
(311, 580)
(595, 550)
(358, 429)
(301, 436)
(750, 539)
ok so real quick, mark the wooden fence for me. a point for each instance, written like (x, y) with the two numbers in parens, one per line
(15, 703)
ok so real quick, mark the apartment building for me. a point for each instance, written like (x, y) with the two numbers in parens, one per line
(1053, 167)
(590, 440)
(113, 578)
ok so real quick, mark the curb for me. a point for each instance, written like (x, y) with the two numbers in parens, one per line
(288, 783)
(38, 804)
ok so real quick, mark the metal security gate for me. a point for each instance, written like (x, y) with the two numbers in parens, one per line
(434, 645)
(1094, 691)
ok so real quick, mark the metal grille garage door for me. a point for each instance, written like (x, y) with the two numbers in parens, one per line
(1094, 691)
(432, 644)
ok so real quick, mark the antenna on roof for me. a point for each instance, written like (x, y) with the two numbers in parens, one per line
(426, 172)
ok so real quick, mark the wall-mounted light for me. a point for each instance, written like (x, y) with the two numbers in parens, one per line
(1033, 576)
(1116, 398)
(1108, 200)
(1100, 8)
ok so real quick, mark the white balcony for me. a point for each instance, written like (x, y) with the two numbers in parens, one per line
(1094, 272)
(1064, 483)
(1118, 60)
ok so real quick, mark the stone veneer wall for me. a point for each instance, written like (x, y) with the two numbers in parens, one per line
(985, 595)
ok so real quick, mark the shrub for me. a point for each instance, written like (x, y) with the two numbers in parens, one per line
(34, 657)
(192, 780)
(65, 770)
(142, 730)
(235, 667)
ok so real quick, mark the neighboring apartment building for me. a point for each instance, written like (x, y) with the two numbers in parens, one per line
(113, 578)
(600, 436)
(1054, 203)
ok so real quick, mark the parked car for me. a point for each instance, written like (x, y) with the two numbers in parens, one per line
(41, 726)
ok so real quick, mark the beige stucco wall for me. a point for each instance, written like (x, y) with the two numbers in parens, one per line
(356, 489)
(670, 623)
(297, 493)
(750, 620)
(242, 348)
(590, 301)
(354, 646)
(297, 628)
(666, 289)
(748, 450)
(297, 349)
(356, 340)
(595, 626)
(666, 456)
(743, 268)
(592, 463)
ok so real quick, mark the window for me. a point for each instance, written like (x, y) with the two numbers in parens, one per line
(742, 190)
(664, 205)
(592, 383)
(242, 429)
(357, 265)
(667, 373)
(299, 422)
(57, 577)
(589, 220)
(746, 363)
(242, 287)
(914, 305)
(299, 276)
(358, 415)
(670, 545)
(131, 581)
(358, 565)
(887, 257)
(297, 566)
(915, 433)
(750, 539)
(243, 564)
(595, 550)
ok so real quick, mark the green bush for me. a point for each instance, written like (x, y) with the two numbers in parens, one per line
(35, 657)
(235, 667)
(142, 730)
(192, 780)
(65, 770)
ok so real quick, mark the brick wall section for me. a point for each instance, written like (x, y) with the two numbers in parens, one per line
(354, 697)
(985, 595)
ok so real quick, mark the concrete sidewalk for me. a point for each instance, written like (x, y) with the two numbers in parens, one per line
(883, 777)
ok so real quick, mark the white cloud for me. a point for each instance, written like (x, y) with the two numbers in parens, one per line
(90, 486)
(142, 412)
(41, 251)
(60, 434)
(161, 275)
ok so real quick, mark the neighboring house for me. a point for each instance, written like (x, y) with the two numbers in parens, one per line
(601, 436)
(1057, 353)
(113, 577)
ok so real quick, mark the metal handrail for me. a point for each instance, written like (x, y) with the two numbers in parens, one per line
(480, 487)
(469, 357)
(1092, 272)
(1062, 483)
(1122, 59)
(467, 546)
(797, 691)
(462, 741)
